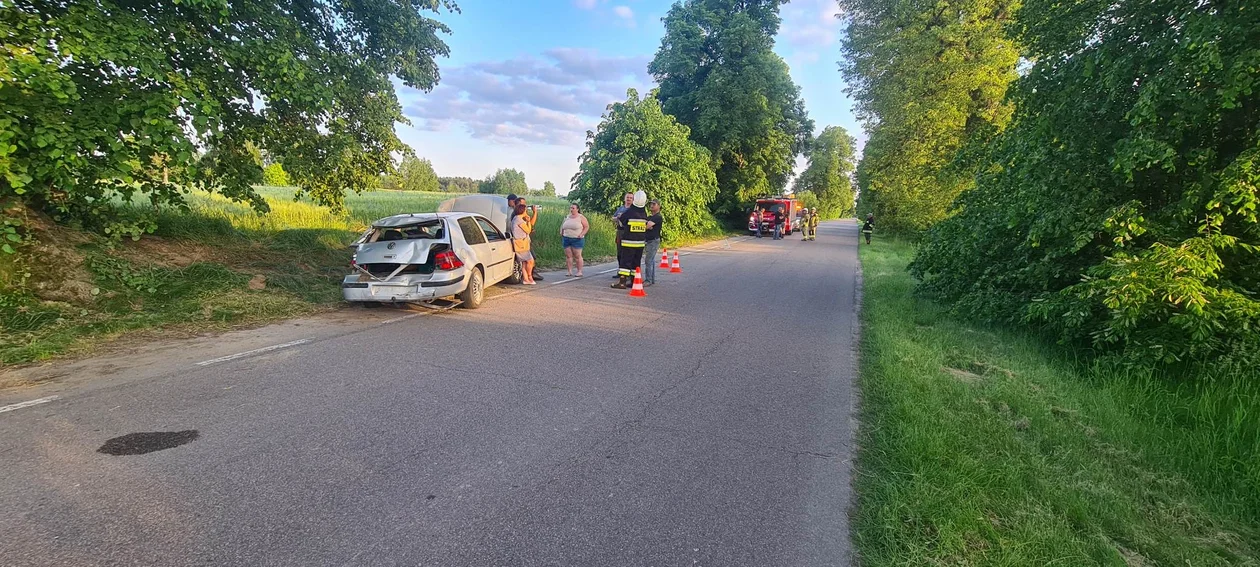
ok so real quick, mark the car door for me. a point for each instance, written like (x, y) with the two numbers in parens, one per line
(474, 238)
(501, 253)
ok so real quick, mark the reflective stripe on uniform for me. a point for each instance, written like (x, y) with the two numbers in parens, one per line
(625, 273)
(633, 243)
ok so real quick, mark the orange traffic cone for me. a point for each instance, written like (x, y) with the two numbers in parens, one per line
(676, 268)
(664, 259)
(637, 289)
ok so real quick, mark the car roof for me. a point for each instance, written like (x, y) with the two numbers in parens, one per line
(408, 219)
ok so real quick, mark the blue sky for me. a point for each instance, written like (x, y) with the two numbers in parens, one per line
(527, 79)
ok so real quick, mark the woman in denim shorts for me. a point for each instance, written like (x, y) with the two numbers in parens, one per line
(573, 236)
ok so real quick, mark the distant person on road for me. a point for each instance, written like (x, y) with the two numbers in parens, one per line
(573, 236)
(521, 229)
(634, 227)
(756, 215)
(653, 239)
(868, 227)
(803, 222)
(813, 223)
(800, 219)
(780, 218)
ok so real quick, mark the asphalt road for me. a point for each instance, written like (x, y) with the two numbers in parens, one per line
(710, 423)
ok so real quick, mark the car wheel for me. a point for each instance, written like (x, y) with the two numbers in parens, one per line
(516, 278)
(475, 292)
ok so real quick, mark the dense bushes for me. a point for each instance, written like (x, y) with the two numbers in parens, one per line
(1119, 208)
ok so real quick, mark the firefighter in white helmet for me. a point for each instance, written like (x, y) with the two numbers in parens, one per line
(633, 230)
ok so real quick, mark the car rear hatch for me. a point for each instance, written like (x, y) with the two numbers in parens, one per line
(392, 252)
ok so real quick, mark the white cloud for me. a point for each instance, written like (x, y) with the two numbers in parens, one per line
(811, 24)
(552, 99)
(585, 4)
(626, 14)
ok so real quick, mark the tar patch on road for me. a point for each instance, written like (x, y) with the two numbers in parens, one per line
(141, 443)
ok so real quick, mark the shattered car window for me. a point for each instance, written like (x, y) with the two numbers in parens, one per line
(429, 230)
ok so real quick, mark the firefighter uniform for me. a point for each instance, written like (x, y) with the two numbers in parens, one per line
(813, 224)
(633, 235)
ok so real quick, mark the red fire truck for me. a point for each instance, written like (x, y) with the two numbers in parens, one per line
(787, 206)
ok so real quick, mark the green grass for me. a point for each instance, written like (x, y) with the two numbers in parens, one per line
(983, 446)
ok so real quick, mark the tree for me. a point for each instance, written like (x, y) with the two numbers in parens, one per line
(1119, 209)
(807, 199)
(414, 174)
(928, 78)
(719, 77)
(458, 185)
(548, 190)
(274, 175)
(505, 182)
(92, 91)
(827, 175)
(638, 146)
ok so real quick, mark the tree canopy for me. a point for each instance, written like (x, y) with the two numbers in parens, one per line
(827, 175)
(638, 146)
(719, 76)
(928, 78)
(505, 182)
(1118, 209)
(92, 93)
(413, 174)
(458, 185)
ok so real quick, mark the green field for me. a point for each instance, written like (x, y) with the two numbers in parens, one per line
(217, 266)
(982, 446)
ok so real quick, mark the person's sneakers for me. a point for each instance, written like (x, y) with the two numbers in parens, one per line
(646, 284)
(537, 276)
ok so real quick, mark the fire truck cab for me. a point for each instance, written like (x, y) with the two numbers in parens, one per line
(786, 206)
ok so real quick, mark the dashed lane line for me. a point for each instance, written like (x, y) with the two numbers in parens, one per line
(252, 352)
(27, 404)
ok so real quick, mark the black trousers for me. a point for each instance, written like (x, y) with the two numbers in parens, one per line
(628, 258)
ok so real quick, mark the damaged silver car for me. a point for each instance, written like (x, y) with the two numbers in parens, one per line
(421, 257)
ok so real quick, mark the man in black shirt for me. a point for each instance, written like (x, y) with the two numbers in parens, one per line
(653, 238)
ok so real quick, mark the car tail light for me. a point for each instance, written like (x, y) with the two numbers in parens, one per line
(447, 260)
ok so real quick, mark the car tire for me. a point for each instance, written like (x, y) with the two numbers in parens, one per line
(475, 292)
(517, 273)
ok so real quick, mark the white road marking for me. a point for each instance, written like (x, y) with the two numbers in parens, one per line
(397, 319)
(567, 280)
(252, 352)
(21, 405)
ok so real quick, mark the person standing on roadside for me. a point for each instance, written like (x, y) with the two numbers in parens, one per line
(813, 223)
(634, 226)
(756, 214)
(515, 203)
(653, 241)
(868, 227)
(780, 218)
(626, 201)
(573, 236)
(521, 244)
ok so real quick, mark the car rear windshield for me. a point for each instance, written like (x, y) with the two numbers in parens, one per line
(427, 230)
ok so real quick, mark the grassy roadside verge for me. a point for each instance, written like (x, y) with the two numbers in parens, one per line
(982, 446)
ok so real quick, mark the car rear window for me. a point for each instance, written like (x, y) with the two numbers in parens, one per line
(472, 234)
(427, 230)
